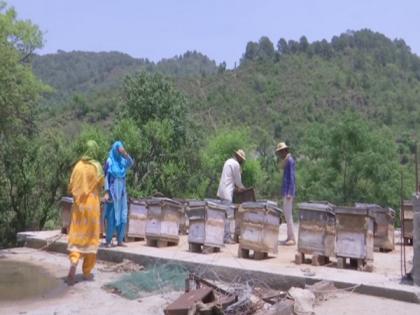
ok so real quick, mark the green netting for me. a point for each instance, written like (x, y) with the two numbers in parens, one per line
(160, 279)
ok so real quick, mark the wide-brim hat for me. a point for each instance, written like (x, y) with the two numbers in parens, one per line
(281, 146)
(241, 154)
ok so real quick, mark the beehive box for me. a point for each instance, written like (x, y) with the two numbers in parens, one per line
(66, 205)
(183, 223)
(137, 218)
(407, 221)
(163, 218)
(354, 234)
(259, 226)
(316, 229)
(383, 228)
(206, 223)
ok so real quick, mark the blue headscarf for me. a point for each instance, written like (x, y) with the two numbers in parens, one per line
(117, 164)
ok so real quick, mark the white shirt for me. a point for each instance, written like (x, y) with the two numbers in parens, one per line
(231, 177)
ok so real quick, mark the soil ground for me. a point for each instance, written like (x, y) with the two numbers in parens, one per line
(88, 297)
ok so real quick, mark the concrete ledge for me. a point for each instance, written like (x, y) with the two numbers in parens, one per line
(241, 270)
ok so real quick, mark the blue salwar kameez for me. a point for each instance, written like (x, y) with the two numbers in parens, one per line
(116, 210)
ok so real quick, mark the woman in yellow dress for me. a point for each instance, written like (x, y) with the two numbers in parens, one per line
(86, 184)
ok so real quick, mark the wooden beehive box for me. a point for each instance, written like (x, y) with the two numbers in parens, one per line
(259, 226)
(206, 223)
(407, 222)
(383, 226)
(354, 233)
(66, 205)
(163, 219)
(316, 229)
(137, 218)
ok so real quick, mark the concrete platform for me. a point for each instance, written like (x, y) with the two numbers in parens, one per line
(277, 271)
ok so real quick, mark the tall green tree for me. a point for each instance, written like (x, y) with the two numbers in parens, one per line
(155, 127)
(345, 161)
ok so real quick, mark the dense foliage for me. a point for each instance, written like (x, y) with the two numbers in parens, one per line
(349, 109)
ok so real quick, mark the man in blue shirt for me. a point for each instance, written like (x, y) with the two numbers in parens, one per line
(288, 188)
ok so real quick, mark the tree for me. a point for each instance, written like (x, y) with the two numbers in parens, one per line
(303, 44)
(155, 127)
(349, 162)
(282, 46)
(265, 49)
(27, 197)
(251, 51)
(218, 149)
(19, 89)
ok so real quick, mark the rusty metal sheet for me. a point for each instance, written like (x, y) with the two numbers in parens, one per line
(185, 304)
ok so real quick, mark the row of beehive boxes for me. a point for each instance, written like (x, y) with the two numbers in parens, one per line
(254, 224)
(350, 232)
(155, 217)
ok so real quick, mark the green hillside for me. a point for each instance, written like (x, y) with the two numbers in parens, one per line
(349, 108)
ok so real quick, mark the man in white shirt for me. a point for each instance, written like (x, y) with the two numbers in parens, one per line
(229, 181)
(231, 176)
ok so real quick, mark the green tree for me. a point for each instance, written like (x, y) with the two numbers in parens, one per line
(219, 148)
(348, 162)
(156, 130)
(27, 191)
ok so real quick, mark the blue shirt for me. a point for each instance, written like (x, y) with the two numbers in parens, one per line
(289, 178)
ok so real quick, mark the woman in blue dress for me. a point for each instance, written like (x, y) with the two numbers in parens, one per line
(116, 211)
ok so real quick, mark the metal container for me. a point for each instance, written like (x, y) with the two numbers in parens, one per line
(316, 229)
(354, 233)
(137, 218)
(407, 222)
(163, 218)
(259, 226)
(66, 204)
(383, 228)
(206, 223)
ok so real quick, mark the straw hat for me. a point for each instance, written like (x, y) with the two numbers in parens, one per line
(241, 154)
(281, 146)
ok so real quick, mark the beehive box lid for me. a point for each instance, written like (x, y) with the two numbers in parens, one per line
(408, 203)
(323, 207)
(219, 205)
(138, 201)
(66, 199)
(261, 204)
(374, 208)
(196, 203)
(164, 201)
(363, 211)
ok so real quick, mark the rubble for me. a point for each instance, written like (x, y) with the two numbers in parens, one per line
(125, 266)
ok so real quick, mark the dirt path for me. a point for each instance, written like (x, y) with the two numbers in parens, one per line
(87, 298)
(357, 304)
(84, 298)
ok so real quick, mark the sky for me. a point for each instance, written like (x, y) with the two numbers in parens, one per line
(157, 29)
